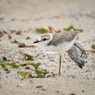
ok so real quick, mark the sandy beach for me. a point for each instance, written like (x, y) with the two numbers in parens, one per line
(26, 16)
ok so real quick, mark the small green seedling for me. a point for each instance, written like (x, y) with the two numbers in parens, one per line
(93, 46)
(2, 63)
(71, 27)
(24, 74)
(9, 36)
(44, 73)
(29, 57)
(11, 30)
(0, 40)
(13, 65)
(36, 65)
(39, 73)
(41, 30)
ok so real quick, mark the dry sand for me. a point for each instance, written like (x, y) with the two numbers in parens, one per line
(26, 15)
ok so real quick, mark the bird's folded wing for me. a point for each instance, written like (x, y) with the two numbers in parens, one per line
(76, 54)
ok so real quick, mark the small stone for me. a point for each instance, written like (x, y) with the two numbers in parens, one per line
(18, 72)
(93, 40)
(92, 59)
(93, 78)
(94, 66)
(82, 90)
(4, 58)
(39, 86)
(68, 66)
(21, 84)
(53, 74)
(43, 89)
(91, 65)
(57, 92)
(43, 55)
(27, 67)
(6, 76)
(51, 60)
(87, 71)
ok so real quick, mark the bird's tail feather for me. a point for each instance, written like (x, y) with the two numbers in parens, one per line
(75, 54)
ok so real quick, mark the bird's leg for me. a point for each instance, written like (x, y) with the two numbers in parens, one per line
(60, 64)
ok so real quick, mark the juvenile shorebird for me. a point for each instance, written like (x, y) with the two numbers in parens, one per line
(65, 41)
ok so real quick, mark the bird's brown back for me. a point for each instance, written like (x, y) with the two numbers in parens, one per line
(61, 37)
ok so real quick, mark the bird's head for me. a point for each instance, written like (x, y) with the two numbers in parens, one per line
(44, 39)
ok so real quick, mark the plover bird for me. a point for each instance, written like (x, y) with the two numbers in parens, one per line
(65, 41)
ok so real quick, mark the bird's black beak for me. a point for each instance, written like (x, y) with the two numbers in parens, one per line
(36, 41)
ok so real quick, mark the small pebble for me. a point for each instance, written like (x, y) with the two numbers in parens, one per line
(87, 71)
(53, 74)
(92, 59)
(57, 92)
(39, 86)
(51, 60)
(43, 89)
(21, 84)
(18, 72)
(93, 40)
(6, 76)
(43, 55)
(93, 78)
(82, 90)
(68, 66)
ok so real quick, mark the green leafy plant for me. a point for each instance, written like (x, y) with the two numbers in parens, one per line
(13, 65)
(39, 73)
(9, 36)
(29, 57)
(0, 40)
(2, 63)
(93, 46)
(41, 30)
(11, 30)
(44, 73)
(71, 27)
(36, 65)
(24, 74)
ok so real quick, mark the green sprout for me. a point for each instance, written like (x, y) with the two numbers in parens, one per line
(44, 73)
(13, 65)
(9, 36)
(71, 27)
(2, 63)
(93, 46)
(36, 65)
(39, 73)
(41, 30)
(24, 74)
(29, 57)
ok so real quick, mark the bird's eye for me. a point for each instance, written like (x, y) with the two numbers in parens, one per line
(44, 39)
